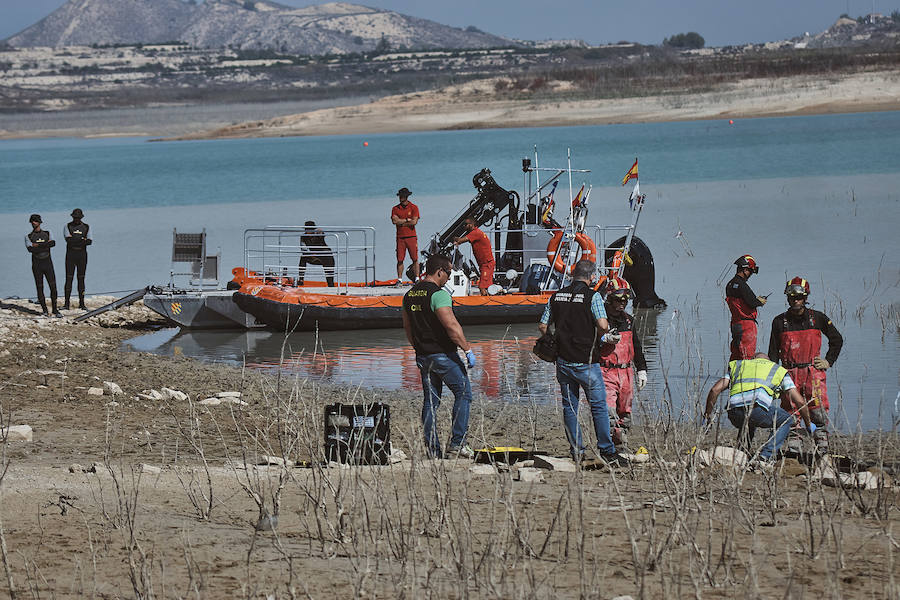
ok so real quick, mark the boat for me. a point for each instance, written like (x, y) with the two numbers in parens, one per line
(534, 255)
(199, 309)
(533, 252)
(192, 298)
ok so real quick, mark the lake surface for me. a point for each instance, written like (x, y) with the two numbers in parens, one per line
(812, 196)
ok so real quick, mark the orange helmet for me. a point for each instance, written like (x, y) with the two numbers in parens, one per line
(617, 287)
(796, 287)
(747, 262)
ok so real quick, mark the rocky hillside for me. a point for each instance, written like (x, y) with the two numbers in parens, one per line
(873, 31)
(334, 28)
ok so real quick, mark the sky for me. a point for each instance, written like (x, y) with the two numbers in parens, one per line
(720, 22)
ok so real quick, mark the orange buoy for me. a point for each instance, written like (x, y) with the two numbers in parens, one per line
(588, 251)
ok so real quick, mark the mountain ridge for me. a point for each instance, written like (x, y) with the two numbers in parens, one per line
(331, 28)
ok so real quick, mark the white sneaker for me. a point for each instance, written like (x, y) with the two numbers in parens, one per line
(464, 451)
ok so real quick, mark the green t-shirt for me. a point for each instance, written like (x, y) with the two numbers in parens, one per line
(440, 299)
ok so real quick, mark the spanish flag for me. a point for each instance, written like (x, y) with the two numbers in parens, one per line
(576, 201)
(631, 174)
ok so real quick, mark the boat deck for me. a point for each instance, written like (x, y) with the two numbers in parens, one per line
(377, 290)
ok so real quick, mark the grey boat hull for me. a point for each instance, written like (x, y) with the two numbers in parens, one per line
(214, 309)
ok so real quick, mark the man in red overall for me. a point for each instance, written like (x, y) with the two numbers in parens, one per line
(619, 358)
(796, 341)
(484, 255)
(405, 215)
(743, 302)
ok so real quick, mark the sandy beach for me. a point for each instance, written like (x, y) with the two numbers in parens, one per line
(127, 489)
(476, 106)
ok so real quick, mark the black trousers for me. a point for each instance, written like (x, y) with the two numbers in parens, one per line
(41, 268)
(76, 260)
(325, 261)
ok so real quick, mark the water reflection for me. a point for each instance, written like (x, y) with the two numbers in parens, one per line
(375, 358)
(686, 347)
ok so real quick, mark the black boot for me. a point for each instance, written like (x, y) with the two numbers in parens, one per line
(81, 302)
(66, 304)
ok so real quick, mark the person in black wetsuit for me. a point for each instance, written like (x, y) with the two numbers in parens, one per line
(76, 234)
(38, 243)
(317, 253)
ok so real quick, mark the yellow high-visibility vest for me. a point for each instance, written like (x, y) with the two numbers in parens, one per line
(747, 375)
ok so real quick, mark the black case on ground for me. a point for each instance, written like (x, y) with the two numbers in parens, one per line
(358, 434)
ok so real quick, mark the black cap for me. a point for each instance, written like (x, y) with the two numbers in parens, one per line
(77, 213)
(35, 218)
(404, 192)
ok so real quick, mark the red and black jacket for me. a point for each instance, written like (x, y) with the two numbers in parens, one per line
(628, 349)
(797, 339)
(741, 300)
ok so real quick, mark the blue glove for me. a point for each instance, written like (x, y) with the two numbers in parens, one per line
(812, 427)
(470, 359)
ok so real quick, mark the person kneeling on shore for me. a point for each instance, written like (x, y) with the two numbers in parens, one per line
(754, 385)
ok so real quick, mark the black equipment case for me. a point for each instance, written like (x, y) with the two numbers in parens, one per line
(358, 434)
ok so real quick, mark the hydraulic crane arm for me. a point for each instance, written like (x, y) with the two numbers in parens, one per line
(487, 205)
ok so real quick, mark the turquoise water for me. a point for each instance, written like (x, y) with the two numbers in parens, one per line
(811, 196)
(50, 175)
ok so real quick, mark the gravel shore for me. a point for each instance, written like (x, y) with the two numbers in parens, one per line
(123, 494)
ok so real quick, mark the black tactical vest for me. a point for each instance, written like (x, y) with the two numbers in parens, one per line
(428, 334)
(77, 235)
(576, 327)
(40, 237)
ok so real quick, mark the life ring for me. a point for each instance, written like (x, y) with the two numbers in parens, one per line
(588, 251)
(615, 264)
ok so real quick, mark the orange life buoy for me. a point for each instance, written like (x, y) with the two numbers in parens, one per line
(600, 281)
(588, 251)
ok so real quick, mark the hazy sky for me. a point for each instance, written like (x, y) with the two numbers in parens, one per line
(720, 22)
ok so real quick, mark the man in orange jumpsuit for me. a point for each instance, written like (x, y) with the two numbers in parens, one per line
(405, 215)
(484, 255)
(743, 302)
(796, 341)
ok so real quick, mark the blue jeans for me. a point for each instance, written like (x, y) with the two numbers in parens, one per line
(437, 370)
(590, 379)
(756, 415)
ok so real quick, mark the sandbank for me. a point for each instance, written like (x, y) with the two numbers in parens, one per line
(474, 105)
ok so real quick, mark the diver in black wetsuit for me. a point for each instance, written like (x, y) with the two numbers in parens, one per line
(38, 243)
(77, 240)
(317, 253)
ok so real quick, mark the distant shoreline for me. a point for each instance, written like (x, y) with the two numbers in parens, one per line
(475, 105)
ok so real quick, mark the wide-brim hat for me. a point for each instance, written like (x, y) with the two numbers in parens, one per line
(35, 218)
(404, 192)
(77, 213)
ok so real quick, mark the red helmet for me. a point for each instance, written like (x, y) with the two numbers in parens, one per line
(617, 287)
(797, 287)
(747, 262)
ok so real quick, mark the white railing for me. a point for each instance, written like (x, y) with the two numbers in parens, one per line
(275, 251)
